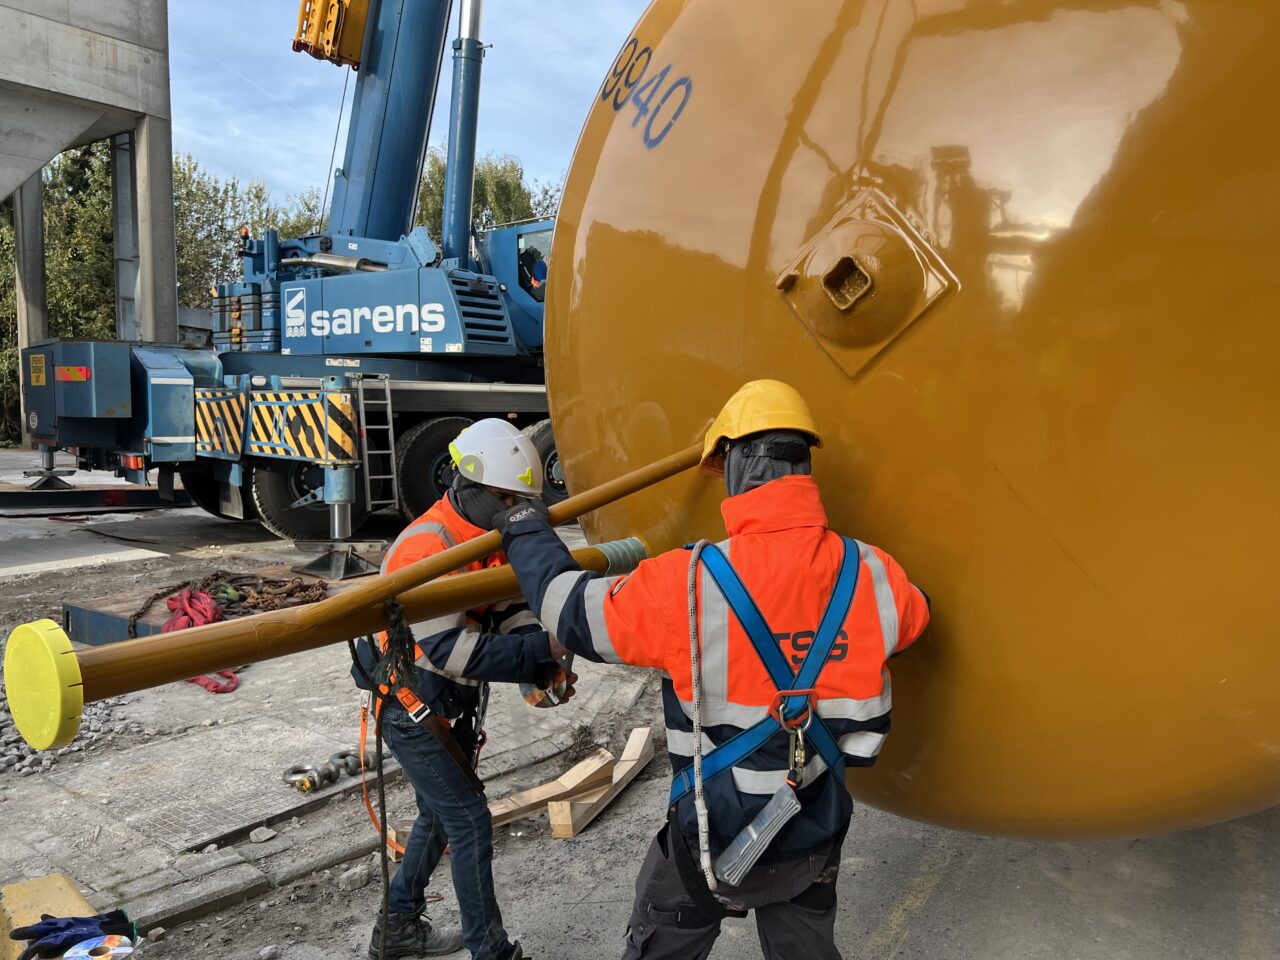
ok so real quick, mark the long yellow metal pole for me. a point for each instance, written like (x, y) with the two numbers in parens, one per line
(48, 682)
(132, 665)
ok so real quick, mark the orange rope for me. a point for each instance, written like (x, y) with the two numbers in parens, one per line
(364, 784)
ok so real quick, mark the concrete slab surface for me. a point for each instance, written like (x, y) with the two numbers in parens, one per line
(209, 783)
(14, 460)
(17, 557)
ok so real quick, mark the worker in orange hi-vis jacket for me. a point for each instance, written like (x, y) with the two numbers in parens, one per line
(434, 725)
(774, 644)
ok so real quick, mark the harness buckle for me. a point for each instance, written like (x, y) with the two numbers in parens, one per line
(777, 708)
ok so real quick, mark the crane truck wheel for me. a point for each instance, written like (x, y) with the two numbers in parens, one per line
(423, 467)
(275, 487)
(204, 490)
(554, 488)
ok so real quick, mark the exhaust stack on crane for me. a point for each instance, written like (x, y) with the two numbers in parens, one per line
(459, 183)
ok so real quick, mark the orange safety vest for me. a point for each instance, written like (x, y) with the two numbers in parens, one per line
(438, 529)
(788, 559)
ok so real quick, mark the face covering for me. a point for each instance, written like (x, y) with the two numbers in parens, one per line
(756, 460)
(475, 502)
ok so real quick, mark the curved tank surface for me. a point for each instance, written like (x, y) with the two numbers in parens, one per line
(1021, 260)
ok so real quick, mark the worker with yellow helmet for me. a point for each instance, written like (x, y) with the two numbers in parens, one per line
(773, 644)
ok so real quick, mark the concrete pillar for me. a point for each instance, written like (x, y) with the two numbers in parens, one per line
(157, 303)
(124, 235)
(32, 296)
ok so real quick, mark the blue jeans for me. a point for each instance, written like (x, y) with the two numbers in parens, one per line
(448, 812)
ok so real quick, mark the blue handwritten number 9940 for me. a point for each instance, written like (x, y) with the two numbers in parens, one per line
(626, 83)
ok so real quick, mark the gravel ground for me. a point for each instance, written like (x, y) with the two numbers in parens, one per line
(106, 725)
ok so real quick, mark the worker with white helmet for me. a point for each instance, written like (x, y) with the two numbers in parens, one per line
(432, 721)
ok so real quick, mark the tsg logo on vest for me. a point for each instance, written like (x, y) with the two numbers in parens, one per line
(383, 318)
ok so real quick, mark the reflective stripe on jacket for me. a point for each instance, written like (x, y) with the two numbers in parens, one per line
(456, 652)
(788, 559)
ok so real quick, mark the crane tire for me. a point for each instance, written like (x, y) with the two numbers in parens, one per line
(554, 488)
(275, 487)
(202, 488)
(423, 467)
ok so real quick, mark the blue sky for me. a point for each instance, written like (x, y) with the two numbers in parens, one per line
(246, 105)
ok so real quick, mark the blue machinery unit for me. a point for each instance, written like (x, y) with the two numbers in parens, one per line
(342, 356)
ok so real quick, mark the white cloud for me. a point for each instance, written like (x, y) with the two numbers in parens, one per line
(246, 105)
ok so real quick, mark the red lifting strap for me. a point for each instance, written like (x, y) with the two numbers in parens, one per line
(195, 609)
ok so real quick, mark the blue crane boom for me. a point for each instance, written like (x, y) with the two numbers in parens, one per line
(375, 188)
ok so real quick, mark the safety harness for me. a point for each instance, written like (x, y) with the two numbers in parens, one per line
(794, 706)
(369, 667)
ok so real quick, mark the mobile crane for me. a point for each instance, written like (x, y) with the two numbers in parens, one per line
(345, 361)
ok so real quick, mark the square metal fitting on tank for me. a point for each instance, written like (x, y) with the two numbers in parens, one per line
(865, 277)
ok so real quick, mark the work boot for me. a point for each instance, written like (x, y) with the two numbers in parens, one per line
(412, 935)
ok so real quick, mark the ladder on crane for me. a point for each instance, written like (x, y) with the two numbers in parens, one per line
(377, 441)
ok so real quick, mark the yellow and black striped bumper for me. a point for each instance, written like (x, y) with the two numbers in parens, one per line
(220, 422)
(313, 425)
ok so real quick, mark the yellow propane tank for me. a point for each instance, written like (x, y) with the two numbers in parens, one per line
(1021, 260)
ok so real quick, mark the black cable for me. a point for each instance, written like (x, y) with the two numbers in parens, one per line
(399, 662)
(382, 816)
(342, 106)
(382, 797)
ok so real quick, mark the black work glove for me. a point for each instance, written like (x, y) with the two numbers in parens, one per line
(53, 936)
(477, 504)
(532, 511)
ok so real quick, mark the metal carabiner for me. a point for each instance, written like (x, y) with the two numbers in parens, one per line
(777, 707)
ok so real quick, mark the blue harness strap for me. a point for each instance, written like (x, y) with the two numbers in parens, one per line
(747, 612)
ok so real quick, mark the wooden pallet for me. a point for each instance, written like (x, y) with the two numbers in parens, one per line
(589, 775)
(584, 777)
(574, 799)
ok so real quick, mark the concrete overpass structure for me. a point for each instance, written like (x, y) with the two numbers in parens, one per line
(71, 73)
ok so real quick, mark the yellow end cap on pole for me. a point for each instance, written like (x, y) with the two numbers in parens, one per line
(43, 683)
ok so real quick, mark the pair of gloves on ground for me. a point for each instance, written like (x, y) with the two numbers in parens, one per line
(53, 936)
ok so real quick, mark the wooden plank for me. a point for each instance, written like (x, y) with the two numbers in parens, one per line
(591, 773)
(21, 904)
(583, 777)
(570, 817)
(398, 832)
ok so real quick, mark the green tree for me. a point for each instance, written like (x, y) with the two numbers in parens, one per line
(205, 230)
(208, 214)
(501, 193)
(9, 401)
(79, 267)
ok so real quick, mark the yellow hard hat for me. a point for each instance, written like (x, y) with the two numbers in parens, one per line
(757, 406)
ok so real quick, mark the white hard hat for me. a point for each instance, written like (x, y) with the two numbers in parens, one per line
(496, 454)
